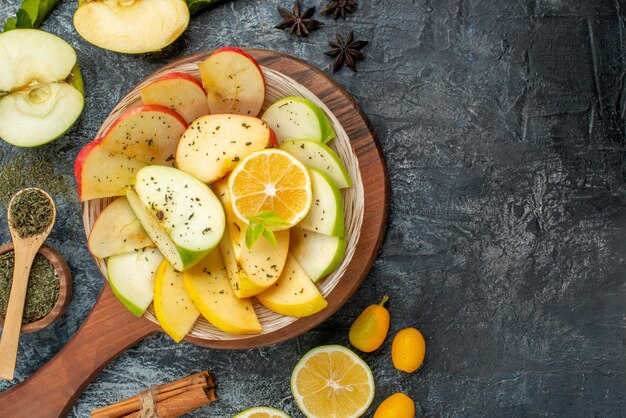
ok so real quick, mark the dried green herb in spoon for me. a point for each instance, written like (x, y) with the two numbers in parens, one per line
(31, 213)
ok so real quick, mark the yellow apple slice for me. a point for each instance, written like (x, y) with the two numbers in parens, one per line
(131, 26)
(294, 294)
(209, 288)
(173, 307)
(214, 144)
(117, 231)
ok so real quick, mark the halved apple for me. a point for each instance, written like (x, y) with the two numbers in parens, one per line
(132, 277)
(181, 92)
(181, 214)
(294, 294)
(214, 144)
(250, 270)
(173, 306)
(318, 254)
(41, 88)
(131, 26)
(326, 215)
(117, 231)
(148, 133)
(233, 81)
(209, 288)
(320, 157)
(298, 118)
(100, 172)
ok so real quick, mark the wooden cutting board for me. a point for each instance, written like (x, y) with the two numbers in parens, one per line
(110, 328)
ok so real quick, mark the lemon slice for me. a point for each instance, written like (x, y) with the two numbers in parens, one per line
(261, 412)
(271, 180)
(332, 381)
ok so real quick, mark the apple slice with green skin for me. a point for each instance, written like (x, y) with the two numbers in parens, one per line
(181, 214)
(320, 157)
(131, 26)
(102, 173)
(294, 294)
(233, 81)
(148, 133)
(296, 118)
(214, 144)
(209, 288)
(318, 254)
(41, 88)
(117, 231)
(326, 215)
(250, 270)
(178, 91)
(132, 277)
(173, 306)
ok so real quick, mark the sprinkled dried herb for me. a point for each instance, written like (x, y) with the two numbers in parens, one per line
(43, 287)
(31, 213)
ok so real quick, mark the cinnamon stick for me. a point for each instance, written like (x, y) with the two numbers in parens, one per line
(171, 400)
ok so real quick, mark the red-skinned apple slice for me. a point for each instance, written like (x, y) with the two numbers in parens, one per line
(148, 133)
(102, 173)
(214, 144)
(233, 81)
(180, 92)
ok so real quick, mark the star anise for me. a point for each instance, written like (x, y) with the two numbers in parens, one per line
(298, 23)
(339, 8)
(346, 51)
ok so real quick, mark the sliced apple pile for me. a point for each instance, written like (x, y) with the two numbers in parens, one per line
(209, 265)
(131, 26)
(41, 88)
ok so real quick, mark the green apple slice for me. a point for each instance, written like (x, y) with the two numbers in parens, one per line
(132, 276)
(41, 91)
(318, 254)
(326, 215)
(208, 286)
(117, 231)
(295, 118)
(320, 157)
(180, 214)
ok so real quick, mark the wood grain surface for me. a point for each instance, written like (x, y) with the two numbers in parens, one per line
(110, 328)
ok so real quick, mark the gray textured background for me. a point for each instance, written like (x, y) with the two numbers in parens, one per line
(502, 123)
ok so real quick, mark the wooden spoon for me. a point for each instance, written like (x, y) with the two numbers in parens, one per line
(25, 250)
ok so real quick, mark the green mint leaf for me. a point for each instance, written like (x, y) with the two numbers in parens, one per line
(253, 232)
(270, 218)
(268, 234)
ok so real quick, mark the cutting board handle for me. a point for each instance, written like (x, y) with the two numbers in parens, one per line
(108, 330)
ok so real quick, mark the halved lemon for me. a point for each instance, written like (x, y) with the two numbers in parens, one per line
(261, 412)
(271, 180)
(332, 381)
